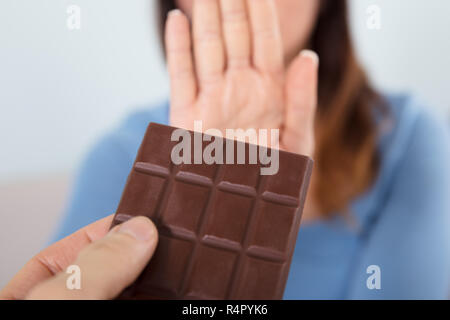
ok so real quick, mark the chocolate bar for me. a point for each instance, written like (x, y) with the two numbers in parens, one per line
(225, 230)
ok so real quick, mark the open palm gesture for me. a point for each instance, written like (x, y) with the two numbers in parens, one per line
(228, 70)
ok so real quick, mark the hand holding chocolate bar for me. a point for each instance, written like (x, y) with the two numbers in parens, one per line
(225, 232)
(89, 264)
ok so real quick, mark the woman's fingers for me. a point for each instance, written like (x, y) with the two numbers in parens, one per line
(180, 61)
(301, 96)
(266, 34)
(236, 31)
(208, 43)
(108, 265)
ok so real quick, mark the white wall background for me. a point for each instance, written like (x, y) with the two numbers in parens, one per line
(60, 90)
(411, 51)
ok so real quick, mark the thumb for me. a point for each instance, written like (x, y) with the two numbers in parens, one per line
(301, 98)
(107, 266)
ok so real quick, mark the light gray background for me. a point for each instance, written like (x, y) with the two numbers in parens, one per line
(60, 90)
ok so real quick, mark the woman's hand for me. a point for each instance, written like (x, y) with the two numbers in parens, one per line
(231, 74)
(108, 262)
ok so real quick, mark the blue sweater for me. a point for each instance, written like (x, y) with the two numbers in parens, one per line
(403, 220)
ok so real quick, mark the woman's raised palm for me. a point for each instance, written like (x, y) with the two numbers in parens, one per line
(229, 72)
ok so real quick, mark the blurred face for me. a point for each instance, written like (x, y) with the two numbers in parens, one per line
(297, 19)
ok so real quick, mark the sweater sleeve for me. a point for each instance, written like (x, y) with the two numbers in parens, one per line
(103, 174)
(98, 186)
(410, 239)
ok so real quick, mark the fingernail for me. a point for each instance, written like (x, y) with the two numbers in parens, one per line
(140, 228)
(174, 12)
(311, 55)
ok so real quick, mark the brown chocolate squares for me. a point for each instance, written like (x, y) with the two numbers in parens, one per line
(225, 230)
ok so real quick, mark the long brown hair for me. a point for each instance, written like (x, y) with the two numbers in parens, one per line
(346, 157)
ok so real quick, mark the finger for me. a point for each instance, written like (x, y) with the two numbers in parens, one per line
(208, 43)
(180, 61)
(301, 87)
(108, 265)
(236, 32)
(54, 259)
(266, 34)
